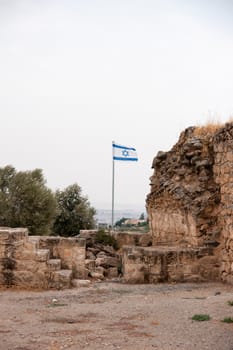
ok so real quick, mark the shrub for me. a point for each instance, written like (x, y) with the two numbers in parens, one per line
(104, 238)
(26, 201)
(201, 317)
(74, 212)
(230, 302)
(228, 320)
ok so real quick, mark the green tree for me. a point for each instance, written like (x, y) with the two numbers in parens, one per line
(75, 212)
(25, 201)
(121, 222)
(142, 216)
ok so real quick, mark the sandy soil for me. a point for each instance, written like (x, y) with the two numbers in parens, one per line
(111, 316)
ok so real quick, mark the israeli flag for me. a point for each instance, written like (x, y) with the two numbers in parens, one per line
(124, 153)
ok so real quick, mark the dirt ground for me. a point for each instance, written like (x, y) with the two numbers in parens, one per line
(111, 315)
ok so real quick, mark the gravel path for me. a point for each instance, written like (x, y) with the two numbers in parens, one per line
(117, 316)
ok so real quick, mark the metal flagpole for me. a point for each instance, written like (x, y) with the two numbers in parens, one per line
(113, 179)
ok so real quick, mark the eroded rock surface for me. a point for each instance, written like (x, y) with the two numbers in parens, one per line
(190, 203)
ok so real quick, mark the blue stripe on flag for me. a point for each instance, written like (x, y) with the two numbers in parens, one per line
(123, 147)
(130, 159)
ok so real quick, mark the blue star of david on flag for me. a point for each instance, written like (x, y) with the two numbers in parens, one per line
(124, 153)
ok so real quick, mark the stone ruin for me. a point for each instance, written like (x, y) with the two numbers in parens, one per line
(53, 262)
(39, 261)
(190, 209)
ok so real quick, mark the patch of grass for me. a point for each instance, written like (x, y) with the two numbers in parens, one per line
(228, 320)
(197, 298)
(201, 317)
(230, 302)
(200, 298)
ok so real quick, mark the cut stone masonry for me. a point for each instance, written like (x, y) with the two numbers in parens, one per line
(39, 262)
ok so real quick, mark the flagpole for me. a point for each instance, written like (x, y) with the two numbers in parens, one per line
(113, 180)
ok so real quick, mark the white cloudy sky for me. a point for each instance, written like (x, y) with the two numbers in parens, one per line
(75, 75)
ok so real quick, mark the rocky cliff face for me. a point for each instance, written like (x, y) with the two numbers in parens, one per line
(184, 197)
(190, 203)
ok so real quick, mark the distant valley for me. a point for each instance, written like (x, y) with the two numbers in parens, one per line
(105, 215)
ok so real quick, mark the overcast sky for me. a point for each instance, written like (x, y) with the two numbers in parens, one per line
(76, 75)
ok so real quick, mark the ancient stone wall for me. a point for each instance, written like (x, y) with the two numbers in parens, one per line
(71, 252)
(223, 173)
(39, 262)
(190, 203)
(56, 262)
(169, 264)
(132, 238)
(184, 197)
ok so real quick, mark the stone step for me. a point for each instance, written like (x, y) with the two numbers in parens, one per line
(42, 255)
(34, 240)
(54, 264)
(205, 251)
(8, 235)
(62, 279)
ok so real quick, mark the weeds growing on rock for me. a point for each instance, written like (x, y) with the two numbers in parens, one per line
(104, 238)
(209, 128)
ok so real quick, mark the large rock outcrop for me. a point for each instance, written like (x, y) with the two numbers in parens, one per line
(185, 196)
(190, 209)
(190, 203)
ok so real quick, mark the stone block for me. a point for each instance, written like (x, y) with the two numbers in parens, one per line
(145, 240)
(54, 264)
(81, 283)
(96, 275)
(62, 279)
(112, 272)
(34, 241)
(107, 261)
(13, 234)
(29, 279)
(100, 270)
(134, 274)
(42, 255)
(90, 255)
(90, 264)
(31, 265)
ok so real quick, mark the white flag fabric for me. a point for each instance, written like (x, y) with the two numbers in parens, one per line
(124, 153)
